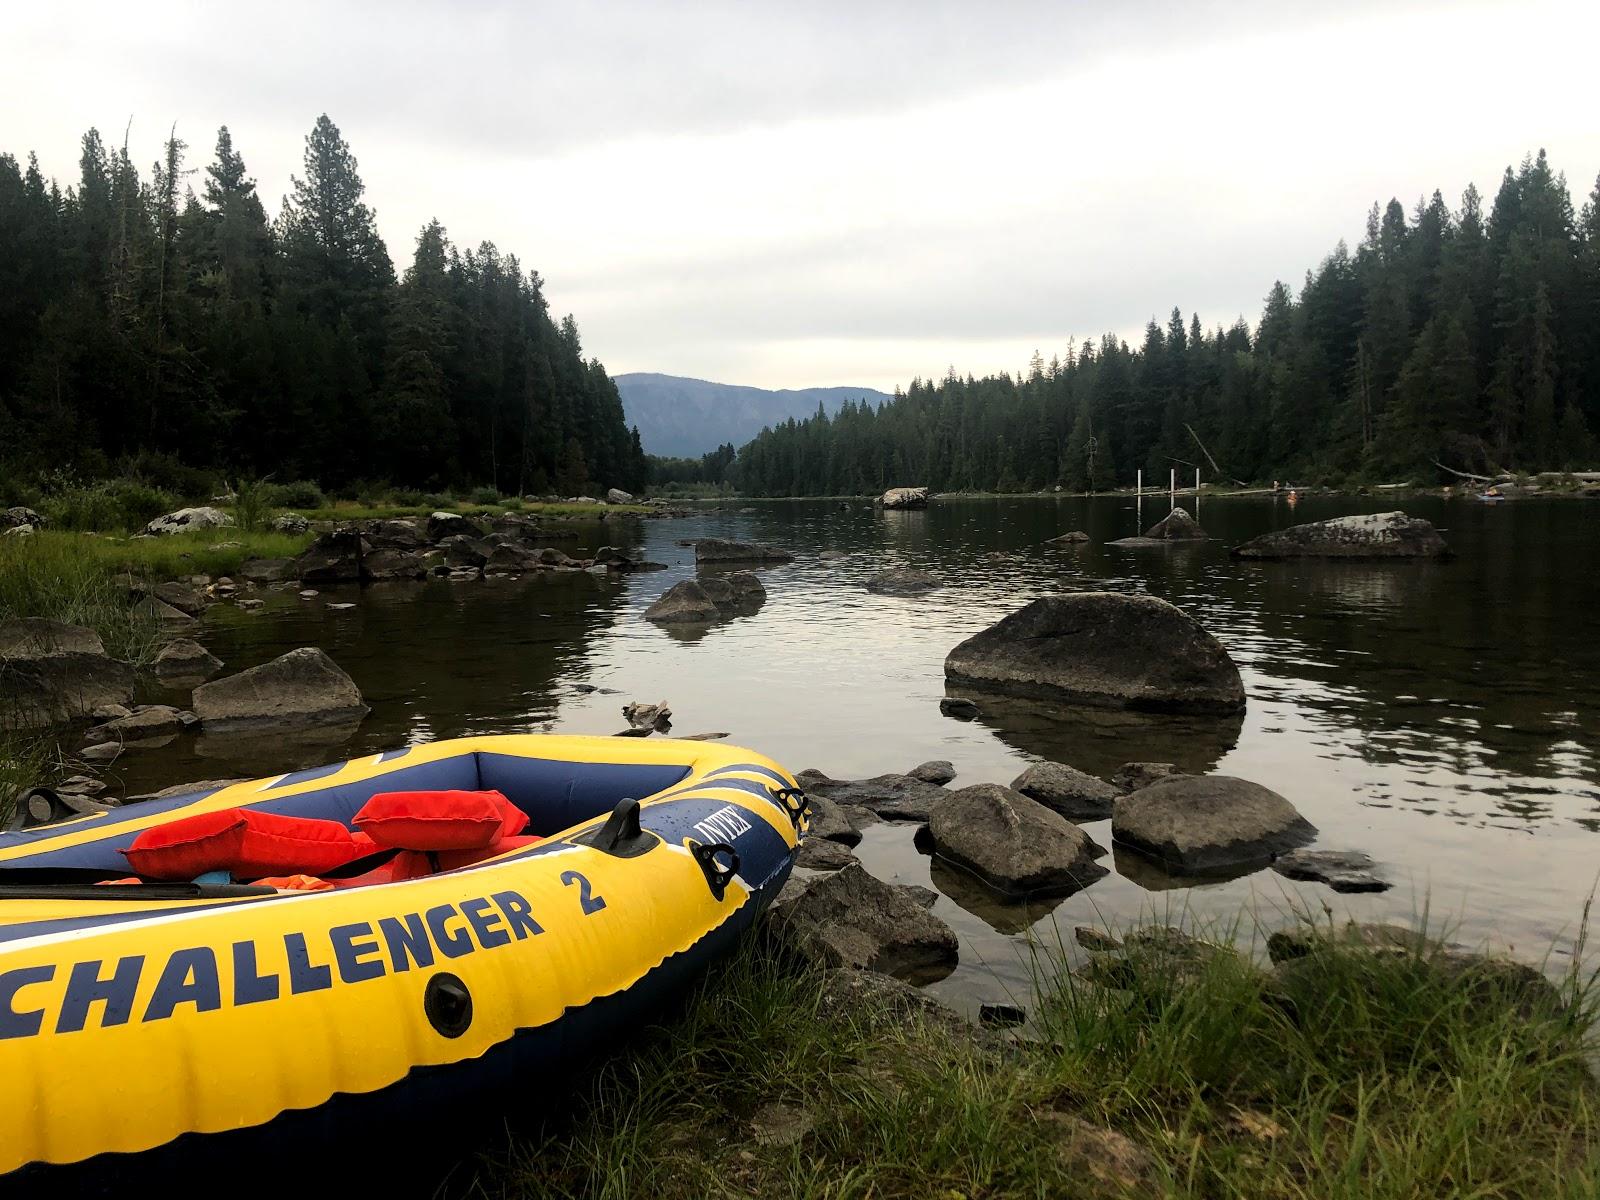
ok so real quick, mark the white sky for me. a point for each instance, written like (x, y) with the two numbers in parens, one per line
(796, 194)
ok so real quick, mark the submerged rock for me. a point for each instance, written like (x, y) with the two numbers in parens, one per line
(1066, 790)
(1075, 537)
(959, 708)
(720, 550)
(893, 797)
(683, 602)
(186, 519)
(301, 687)
(1132, 776)
(1373, 535)
(1342, 870)
(186, 659)
(51, 672)
(901, 581)
(1015, 845)
(850, 919)
(905, 497)
(1200, 823)
(1102, 648)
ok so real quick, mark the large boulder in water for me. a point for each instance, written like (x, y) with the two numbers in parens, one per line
(708, 550)
(1372, 535)
(683, 603)
(302, 687)
(1102, 648)
(1015, 845)
(51, 673)
(905, 497)
(1177, 526)
(892, 797)
(850, 919)
(1208, 823)
(186, 659)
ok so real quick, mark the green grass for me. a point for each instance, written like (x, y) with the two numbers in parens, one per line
(1357, 1075)
(75, 577)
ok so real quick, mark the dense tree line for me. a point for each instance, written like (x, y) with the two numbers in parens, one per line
(1458, 337)
(140, 317)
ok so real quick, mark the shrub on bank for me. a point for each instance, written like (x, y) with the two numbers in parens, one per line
(113, 505)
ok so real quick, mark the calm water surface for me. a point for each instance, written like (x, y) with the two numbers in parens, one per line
(1441, 717)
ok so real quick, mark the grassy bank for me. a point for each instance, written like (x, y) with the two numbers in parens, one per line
(355, 510)
(1352, 1075)
(76, 577)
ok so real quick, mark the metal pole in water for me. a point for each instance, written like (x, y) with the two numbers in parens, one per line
(1172, 488)
(1139, 487)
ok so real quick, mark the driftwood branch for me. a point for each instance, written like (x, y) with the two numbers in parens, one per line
(1461, 474)
(1209, 459)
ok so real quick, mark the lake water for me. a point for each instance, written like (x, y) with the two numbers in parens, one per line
(1440, 716)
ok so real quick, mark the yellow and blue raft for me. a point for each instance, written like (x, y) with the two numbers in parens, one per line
(147, 1016)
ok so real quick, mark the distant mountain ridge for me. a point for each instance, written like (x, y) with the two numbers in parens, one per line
(684, 418)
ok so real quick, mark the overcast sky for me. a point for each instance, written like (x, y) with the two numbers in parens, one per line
(811, 193)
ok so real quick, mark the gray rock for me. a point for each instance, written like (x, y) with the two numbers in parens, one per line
(683, 603)
(870, 1000)
(301, 687)
(936, 770)
(1132, 776)
(906, 497)
(1374, 535)
(463, 552)
(850, 919)
(893, 797)
(829, 822)
(1068, 791)
(720, 550)
(510, 558)
(186, 659)
(820, 854)
(1074, 537)
(1001, 1016)
(266, 570)
(746, 587)
(959, 708)
(1120, 1165)
(832, 555)
(149, 723)
(104, 752)
(252, 605)
(186, 519)
(618, 496)
(1015, 845)
(446, 524)
(551, 557)
(17, 531)
(901, 581)
(158, 610)
(1177, 526)
(291, 523)
(1102, 648)
(110, 712)
(52, 673)
(18, 517)
(385, 563)
(720, 591)
(1095, 939)
(82, 785)
(1342, 870)
(774, 1123)
(1197, 823)
(395, 533)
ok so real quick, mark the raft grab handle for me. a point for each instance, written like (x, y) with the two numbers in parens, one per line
(717, 872)
(793, 801)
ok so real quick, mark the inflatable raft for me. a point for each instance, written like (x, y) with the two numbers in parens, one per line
(147, 1011)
